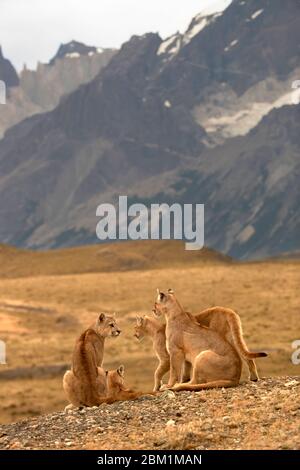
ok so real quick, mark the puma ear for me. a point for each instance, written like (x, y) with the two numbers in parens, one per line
(160, 294)
(170, 291)
(139, 321)
(102, 317)
(121, 370)
(157, 291)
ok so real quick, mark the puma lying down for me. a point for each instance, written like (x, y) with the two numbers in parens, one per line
(113, 388)
(214, 354)
(116, 389)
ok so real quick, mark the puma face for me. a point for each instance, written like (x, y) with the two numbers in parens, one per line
(163, 302)
(115, 379)
(106, 325)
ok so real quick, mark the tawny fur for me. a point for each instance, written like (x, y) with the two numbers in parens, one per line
(116, 389)
(148, 326)
(85, 383)
(215, 362)
(223, 320)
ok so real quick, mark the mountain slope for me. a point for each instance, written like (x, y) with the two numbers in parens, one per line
(119, 134)
(40, 90)
(8, 73)
(249, 188)
(144, 122)
(237, 67)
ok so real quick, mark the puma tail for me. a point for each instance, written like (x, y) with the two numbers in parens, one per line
(237, 335)
(204, 386)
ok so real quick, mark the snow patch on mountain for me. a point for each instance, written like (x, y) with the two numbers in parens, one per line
(232, 44)
(198, 24)
(216, 7)
(256, 14)
(73, 55)
(231, 115)
(173, 44)
(170, 46)
(195, 29)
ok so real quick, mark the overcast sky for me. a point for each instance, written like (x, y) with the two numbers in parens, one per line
(31, 30)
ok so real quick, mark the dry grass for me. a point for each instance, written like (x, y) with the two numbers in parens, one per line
(42, 315)
(102, 258)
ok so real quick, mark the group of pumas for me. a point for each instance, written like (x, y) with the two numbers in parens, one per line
(199, 352)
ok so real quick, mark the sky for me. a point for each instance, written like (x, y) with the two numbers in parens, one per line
(32, 30)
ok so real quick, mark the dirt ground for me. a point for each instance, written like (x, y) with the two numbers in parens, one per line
(262, 415)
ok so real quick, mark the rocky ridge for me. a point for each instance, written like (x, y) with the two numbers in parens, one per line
(263, 415)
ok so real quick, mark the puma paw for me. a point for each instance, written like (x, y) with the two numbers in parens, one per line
(165, 387)
(69, 408)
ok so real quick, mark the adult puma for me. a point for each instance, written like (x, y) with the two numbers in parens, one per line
(85, 383)
(223, 320)
(215, 362)
(228, 324)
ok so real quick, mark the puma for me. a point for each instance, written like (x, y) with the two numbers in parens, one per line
(85, 383)
(116, 389)
(148, 326)
(228, 324)
(223, 320)
(215, 361)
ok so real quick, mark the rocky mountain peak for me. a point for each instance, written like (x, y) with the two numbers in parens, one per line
(73, 50)
(7, 71)
(143, 124)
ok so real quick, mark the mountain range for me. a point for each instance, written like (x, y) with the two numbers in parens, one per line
(37, 91)
(208, 116)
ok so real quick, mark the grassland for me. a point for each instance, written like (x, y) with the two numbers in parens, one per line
(46, 299)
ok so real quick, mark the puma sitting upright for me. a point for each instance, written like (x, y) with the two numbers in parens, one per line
(215, 362)
(85, 383)
(223, 320)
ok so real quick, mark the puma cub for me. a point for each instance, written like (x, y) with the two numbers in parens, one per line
(116, 389)
(149, 326)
